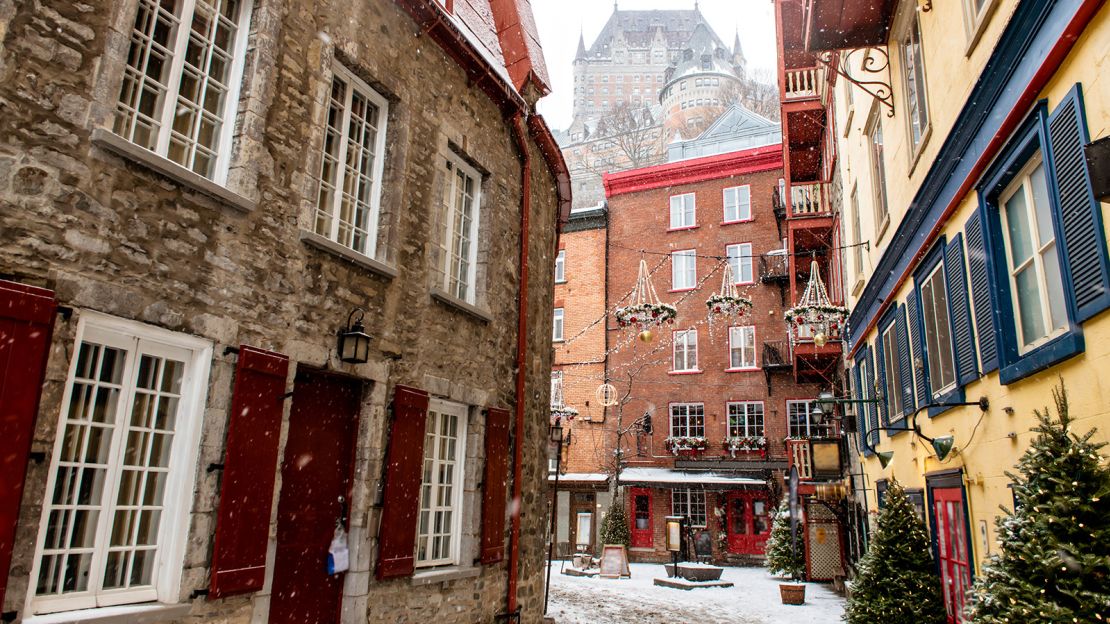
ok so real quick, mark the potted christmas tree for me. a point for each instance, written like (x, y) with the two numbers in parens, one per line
(1054, 564)
(786, 557)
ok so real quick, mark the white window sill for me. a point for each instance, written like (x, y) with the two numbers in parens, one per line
(442, 575)
(459, 304)
(124, 614)
(313, 239)
(112, 142)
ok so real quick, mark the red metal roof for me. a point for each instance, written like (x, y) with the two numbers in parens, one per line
(694, 170)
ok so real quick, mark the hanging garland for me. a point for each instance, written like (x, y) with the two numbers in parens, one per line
(815, 317)
(727, 305)
(645, 310)
(564, 413)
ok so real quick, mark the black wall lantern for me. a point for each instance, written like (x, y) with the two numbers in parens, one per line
(354, 342)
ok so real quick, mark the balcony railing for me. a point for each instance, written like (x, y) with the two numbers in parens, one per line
(774, 268)
(809, 199)
(800, 454)
(776, 354)
(805, 83)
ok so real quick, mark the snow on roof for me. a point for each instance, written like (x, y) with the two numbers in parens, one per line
(598, 206)
(668, 476)
(593, 477)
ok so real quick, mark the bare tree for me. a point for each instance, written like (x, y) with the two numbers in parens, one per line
(629, 137)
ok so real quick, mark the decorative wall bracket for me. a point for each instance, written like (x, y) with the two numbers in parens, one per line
(876, 60)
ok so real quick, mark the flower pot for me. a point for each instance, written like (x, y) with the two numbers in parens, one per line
(792, 593)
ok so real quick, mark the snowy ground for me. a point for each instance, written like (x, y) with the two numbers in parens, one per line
(753, 600)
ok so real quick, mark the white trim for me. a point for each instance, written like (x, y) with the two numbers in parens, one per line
(690, 266)
(458, 163)
(684, 335)
(557, 325)
(747, 205)
(930, 324)
(682, 210)
(732, 346)
(746, 415)
(688, 416)
(460, 411)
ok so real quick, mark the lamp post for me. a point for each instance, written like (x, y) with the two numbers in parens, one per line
(555, 445)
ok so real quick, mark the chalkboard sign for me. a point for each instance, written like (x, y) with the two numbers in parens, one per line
(703, 545)
(614, 562)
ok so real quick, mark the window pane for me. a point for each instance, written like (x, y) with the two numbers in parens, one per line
(1055, 283)
(1029, 305)
(1017, 227)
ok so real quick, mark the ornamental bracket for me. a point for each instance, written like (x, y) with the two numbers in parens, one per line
(876, 60)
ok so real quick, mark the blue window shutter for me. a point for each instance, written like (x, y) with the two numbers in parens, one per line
(905, 371)
(861, 415)
(872, 409)
(962, 333)
(915, 346)
(1084, 246)
(881, 372)
(981, 294)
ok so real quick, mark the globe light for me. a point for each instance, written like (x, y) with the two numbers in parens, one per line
(820, 339)
(647, 335)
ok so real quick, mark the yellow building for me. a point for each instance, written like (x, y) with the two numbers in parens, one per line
(974, 249)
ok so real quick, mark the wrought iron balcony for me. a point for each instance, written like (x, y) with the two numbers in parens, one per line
(776, 355)
(774, 269)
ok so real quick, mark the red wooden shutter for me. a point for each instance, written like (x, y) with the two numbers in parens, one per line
(250, 467)
(26, 323)
(496, 485)
(404, 461)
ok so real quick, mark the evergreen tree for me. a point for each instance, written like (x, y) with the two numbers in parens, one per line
(782, 560)
(614, 528)
(897, 581)
(1054, 564)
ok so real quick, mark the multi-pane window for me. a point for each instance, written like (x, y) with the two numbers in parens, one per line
(684, 269)
(110, 523)
(866, 391)
(913, 70)
(561, 266)
(803, 420)
(682, 211)
(439, 529)
(180, 84)
(741, 347)
(347, 204)
(938, 332)
(689, 504)
(1032, 260)
(687, 420)
(557, 326)
(745, 420)
(738, 203)
(892, 370)
(857, 235)
(557, 400)
(740, 261)
(878, 169)
(686, 350)
(460, 217)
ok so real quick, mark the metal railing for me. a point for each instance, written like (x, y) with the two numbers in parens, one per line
(773, 268)
(776, 353)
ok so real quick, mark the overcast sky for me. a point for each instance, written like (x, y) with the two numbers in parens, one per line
(560, 21)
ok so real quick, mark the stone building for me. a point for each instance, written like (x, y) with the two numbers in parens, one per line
(260, 283)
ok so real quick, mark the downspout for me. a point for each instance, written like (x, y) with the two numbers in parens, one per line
(521, 353)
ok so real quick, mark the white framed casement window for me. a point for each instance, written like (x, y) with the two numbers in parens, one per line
(561, 266)
(682, 211)
(892, 369)
(684, 269)
(439, 529)
(803, 420)
(348, 203)
(745, 419)
(874, 132)
(938, 332)
(913, 81)
(740, 261)
(857, 234)
(685, 350)
(115, 517)
(741, 348)
(461, 214)
(738, 203)
(181, 82)
(557, 326)
(557, 400)
(976, 13)
(1032, 259)
(687, 420)
(689, 504)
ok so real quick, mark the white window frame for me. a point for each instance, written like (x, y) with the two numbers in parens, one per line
(437, 409)
(684, 502)
(877, 158)
(741, 419)
(557, 325)
(685, 350)
(892, 367)
(340, 169)
(169, 100)
(738, 333)
(975, 19)
(811, 429)
(742, 210)
(683, 211)
(937, 330)
(452, 163)
(740, 259)
(914, 84)
(690, 424)
(177, 499)
(561, 266)
(867, 391)
(684, 269)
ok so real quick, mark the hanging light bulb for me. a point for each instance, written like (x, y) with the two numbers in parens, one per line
(820, 339)
(647, 335)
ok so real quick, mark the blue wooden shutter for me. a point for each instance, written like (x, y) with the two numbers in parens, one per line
(861, 414)
(915, 349)
(981, 294)
(872, 408)
(1084, 246)
(905, 371)
(958, 310)
(880, 372)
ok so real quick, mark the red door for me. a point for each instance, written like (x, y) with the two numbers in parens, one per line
(641, 518)
(749, 522)
(315, 485)
(952, 547)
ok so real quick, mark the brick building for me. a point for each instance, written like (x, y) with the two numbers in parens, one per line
(196, 198)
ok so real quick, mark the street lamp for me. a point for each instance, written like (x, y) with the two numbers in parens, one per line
(555, 445)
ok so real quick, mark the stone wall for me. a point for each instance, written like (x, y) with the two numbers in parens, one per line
(109, 234)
